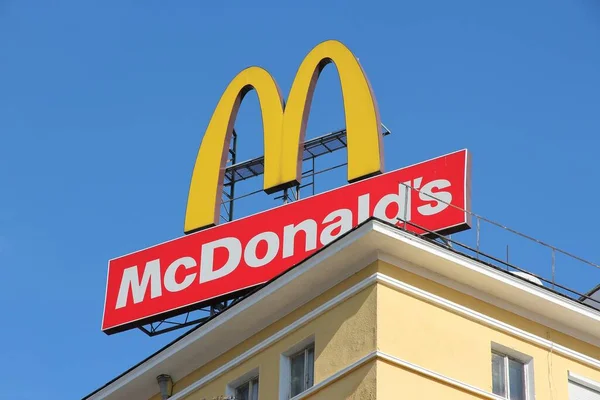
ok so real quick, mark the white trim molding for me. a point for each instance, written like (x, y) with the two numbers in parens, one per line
(583, 381)
(487, 298)
(500, 284)
(276, 337)
(439, 377)
(382, 356)
(487, 320)
(408, 289)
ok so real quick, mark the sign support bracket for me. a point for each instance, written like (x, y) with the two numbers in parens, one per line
(237, 172)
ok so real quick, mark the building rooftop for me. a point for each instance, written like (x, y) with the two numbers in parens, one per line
(448, 262)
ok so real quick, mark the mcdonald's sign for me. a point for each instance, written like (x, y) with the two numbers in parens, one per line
(216, 261)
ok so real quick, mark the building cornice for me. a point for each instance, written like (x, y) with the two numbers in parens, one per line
(340, 260)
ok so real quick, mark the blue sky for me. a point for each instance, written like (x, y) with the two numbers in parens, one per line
(103, 106)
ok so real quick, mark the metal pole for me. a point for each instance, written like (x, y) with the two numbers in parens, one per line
(285, 196)
(313, 176)
(553, 266)
(406, 189)
(478, 231)
(233, 161)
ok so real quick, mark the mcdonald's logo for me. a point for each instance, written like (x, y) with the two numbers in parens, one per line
(284, 126)
(219, 263)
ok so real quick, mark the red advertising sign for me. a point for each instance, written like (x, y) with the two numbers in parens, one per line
(191, 270)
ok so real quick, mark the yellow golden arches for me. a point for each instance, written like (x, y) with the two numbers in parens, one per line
(207, 176)
(284, 130)
(365, 151)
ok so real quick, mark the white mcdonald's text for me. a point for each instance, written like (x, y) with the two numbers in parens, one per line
(250, 251)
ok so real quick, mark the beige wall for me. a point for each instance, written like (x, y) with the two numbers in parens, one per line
(343, 335)
(359, 384)
(458, 347)
(385, 319)
(392, 379)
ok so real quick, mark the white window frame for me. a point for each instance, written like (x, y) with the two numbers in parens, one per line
(248, 376)
(583, 381)
(285, 366)
(527, 366)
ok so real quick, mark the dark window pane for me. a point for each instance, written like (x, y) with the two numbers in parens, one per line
(297, 374)
(242, 392)
(516, 380)
(498, 375)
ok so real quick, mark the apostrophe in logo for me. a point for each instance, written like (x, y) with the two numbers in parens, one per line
(284, 128)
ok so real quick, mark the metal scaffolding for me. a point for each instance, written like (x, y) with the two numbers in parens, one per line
(238, 172)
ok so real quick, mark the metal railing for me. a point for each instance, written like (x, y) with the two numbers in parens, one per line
(558, 270)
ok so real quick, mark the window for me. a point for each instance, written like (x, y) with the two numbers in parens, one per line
(245, 387)
(302, 366)
(581, 388)
(297, 369)
(247, 390)
(508, 377)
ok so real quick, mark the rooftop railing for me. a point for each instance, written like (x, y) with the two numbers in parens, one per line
(520, 254)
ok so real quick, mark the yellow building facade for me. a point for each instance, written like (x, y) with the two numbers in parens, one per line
(383, 314)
